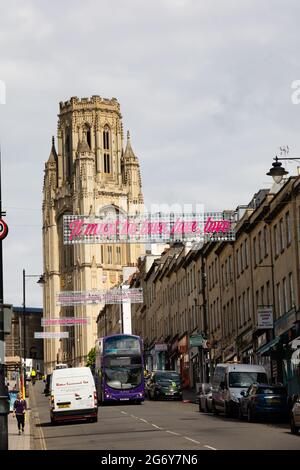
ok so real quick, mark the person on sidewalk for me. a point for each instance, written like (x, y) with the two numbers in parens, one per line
(20, 407)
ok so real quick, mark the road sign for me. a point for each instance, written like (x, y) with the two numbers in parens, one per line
(3, 229)
(196, 341)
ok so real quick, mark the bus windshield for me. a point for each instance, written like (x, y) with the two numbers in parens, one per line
(122, 345)
(121, 378)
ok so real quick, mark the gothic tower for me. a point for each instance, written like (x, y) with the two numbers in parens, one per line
(89, 173)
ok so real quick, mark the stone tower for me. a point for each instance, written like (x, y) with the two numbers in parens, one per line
(87, 175)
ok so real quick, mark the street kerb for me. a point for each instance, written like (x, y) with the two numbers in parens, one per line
(37, 440)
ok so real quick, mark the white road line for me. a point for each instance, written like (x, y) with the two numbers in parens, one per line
(124, 413)
(157, 427)
(209, 447)
(144, 420)
(175, 433)
(133, 416)
(192, 440)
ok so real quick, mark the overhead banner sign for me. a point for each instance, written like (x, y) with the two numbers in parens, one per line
(264, 318)
(66, 321)
(51, 335)
(106, 296)
(149, 228)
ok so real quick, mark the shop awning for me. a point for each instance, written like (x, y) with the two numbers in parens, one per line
(265, 349)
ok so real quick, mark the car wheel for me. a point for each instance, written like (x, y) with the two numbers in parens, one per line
(241, 416)
(227, 410)
(206, 407)
(200, 406)
(294, 428)
(249, 415)
(214, 409)
(94, 419)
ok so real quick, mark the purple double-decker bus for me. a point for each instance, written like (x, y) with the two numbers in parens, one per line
(119, 369)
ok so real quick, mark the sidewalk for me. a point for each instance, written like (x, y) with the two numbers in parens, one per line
(16, 442)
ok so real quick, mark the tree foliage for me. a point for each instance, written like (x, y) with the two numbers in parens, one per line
(91, 358)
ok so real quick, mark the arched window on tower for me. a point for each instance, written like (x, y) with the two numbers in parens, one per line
(68, 153)
(87, 133)
(106, 138)
(106, 148)
(88, 137)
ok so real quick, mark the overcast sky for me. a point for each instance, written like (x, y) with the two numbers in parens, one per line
(204, 87)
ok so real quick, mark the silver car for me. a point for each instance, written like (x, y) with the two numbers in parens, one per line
(295, 416)
(205, 397)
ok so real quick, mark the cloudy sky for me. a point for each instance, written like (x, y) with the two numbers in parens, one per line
(204, 87)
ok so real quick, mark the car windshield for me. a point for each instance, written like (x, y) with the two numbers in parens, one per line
(123, 378)
(168, 377)
(245, 379)
(271, 391)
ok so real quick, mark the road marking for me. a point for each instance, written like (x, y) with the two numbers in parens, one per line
(157, 427)
(209, 447)
(124, 413)
(175, 433)
(144, 420)
(192, 440)
(133, 416)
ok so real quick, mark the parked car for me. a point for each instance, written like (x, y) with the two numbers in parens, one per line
(164, 384)
(263, 400)
(295, 416)
(73, 395)
(205, 397)
(229, 380)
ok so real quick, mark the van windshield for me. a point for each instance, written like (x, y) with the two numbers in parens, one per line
(245, 379)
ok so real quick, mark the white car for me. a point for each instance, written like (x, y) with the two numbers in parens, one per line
(295, 417)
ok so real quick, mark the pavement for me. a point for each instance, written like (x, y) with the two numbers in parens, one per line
(156, 425)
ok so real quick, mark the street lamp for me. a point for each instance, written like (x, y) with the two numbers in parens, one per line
(40, 281)
(277, 172)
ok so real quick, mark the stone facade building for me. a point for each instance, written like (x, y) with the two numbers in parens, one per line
(218, 291)
(89, 173)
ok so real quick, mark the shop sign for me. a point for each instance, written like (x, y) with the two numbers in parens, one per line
(285, 323)
(262, 340)
(182, 345)
(264, 318)
(160, 347)
(174, 346)
(246, 340)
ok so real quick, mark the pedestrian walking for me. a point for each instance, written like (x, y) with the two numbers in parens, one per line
(20, 407)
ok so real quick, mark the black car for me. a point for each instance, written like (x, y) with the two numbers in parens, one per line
(164, 384)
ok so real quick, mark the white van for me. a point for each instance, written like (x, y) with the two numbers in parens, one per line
(73, 395)
(229, 380)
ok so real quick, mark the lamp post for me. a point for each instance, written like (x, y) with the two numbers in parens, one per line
(277, 172)
(4, 403)
(40, 281)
